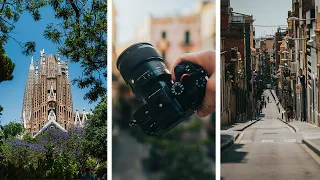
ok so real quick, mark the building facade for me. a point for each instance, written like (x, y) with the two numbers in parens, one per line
(178, 34)
(173, 36)
(47, 98)
(237, 35)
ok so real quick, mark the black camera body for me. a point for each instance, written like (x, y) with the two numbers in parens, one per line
(166, 102)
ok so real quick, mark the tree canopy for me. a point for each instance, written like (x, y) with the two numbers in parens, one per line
(80, 34)
(96, 131)
(12, 129)
(6, 66)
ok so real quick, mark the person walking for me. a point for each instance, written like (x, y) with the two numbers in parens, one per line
(285, 112)
(268, 99)
(288, 114)
(265, 104)
(252, 114)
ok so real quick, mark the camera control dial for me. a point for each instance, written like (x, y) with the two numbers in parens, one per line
(201, 82)
(177, 88)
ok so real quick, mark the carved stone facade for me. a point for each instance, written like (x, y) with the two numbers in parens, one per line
(48, 96)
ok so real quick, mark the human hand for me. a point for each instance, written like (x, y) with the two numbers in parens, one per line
(207, 60)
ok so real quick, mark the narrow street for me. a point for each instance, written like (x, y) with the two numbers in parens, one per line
(269, 149)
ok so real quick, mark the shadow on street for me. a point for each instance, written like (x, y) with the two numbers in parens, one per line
(234, 155)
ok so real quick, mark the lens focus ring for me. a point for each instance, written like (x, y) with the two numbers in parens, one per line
(135, 55)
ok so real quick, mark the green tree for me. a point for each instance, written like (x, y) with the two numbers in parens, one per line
(177, 157)
(81, 35)
(10, 12)
(95, 131)
(12, 129)
(6, 67)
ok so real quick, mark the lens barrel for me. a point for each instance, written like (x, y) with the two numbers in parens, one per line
(133, 56)
(141, 66)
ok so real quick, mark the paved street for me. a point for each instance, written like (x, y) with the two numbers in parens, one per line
(269, 149)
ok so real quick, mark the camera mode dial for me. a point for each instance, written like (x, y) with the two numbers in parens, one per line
(177, 88)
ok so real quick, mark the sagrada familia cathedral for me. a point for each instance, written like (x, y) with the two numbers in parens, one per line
(47, 99)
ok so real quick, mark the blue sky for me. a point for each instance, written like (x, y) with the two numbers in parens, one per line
(130, 14)
(270, 13)
(11, 92)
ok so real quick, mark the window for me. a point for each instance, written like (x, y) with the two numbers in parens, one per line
(164, 34)
(187, 37)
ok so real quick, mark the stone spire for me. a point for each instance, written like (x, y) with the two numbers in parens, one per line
(42, 63)
(27, 100)
(77, 121)
(67, 71)
(84, 116)
(37, 69)
(59, 65)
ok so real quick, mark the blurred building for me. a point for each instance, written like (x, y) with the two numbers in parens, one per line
(208, 24)
(175, 35)
(172, 36)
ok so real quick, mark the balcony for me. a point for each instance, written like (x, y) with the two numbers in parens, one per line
(163, 45)
(237, 19)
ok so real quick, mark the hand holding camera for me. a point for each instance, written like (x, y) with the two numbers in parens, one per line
(167, 102)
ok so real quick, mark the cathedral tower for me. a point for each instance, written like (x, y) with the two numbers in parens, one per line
(47, 98)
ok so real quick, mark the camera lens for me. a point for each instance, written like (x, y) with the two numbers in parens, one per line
(141, 66)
